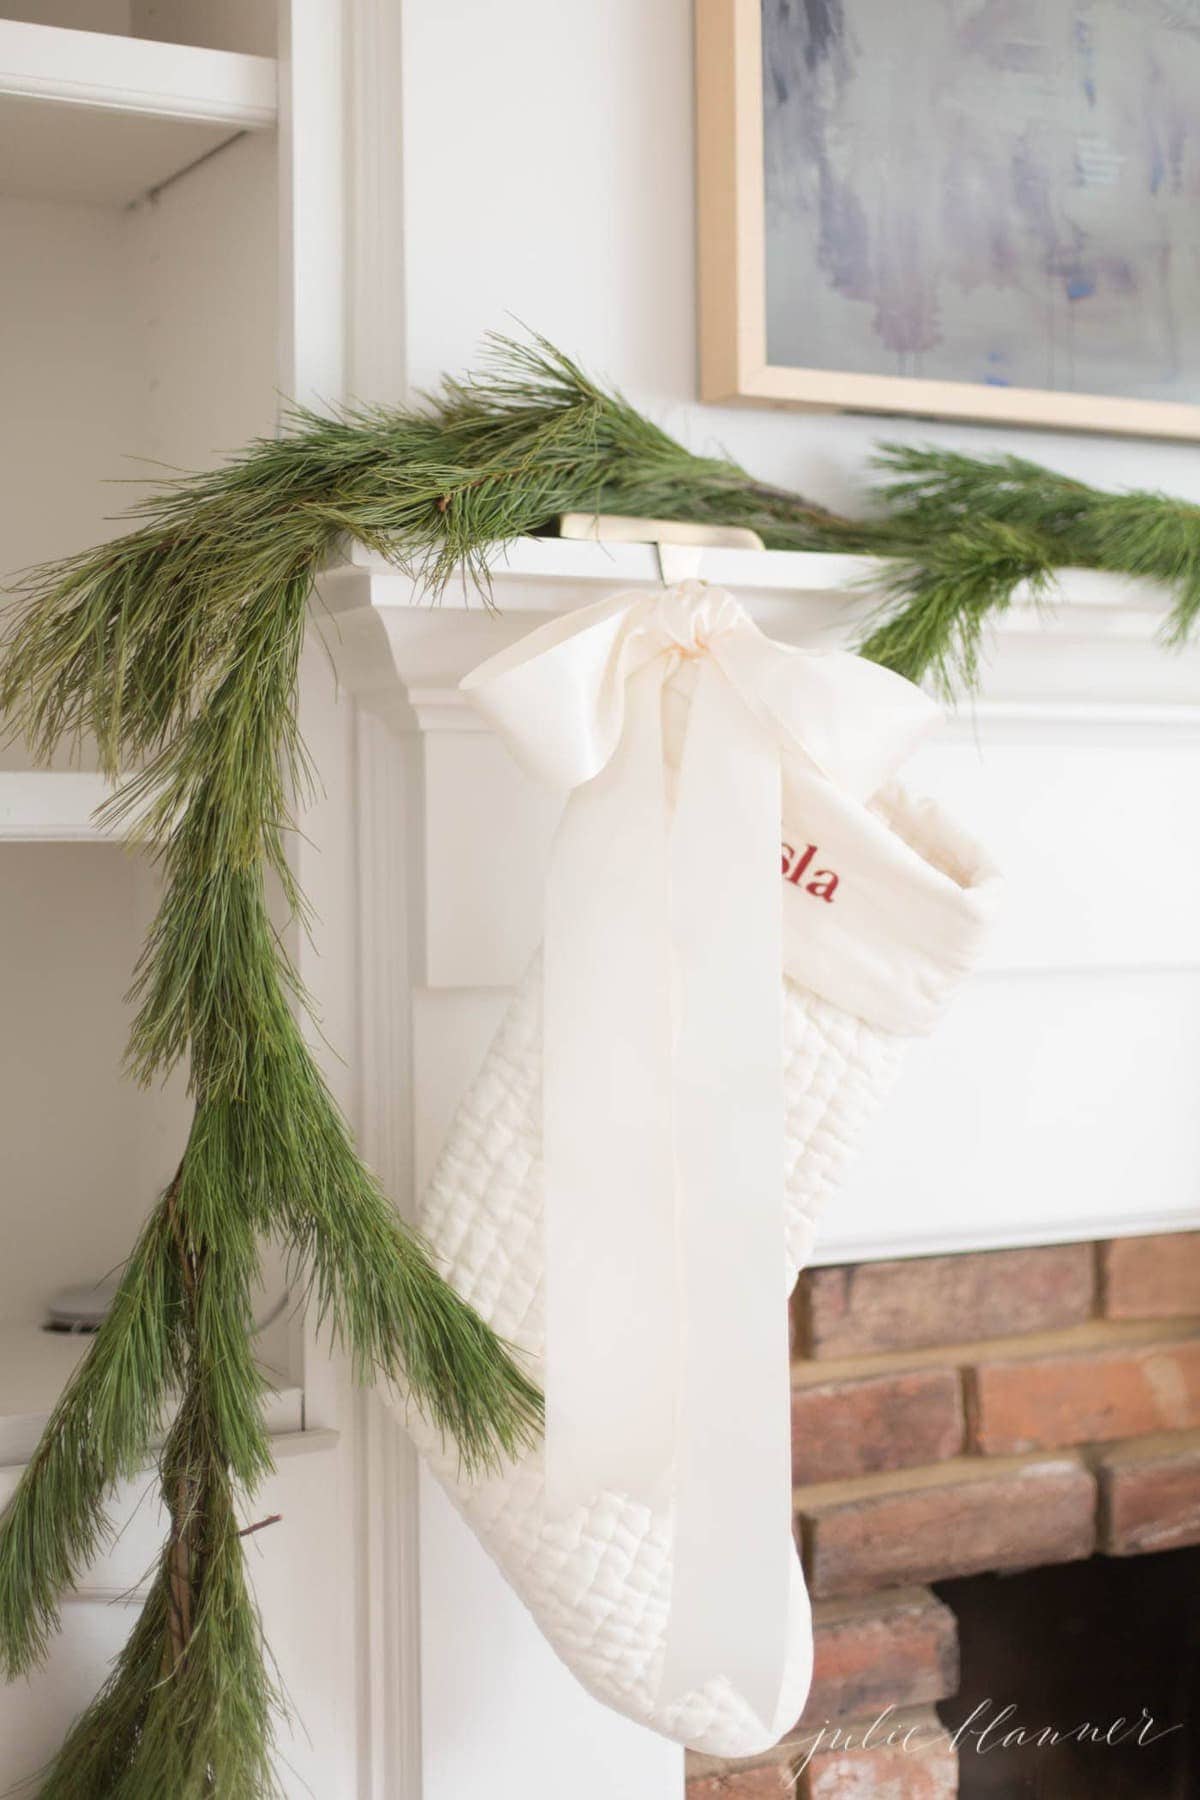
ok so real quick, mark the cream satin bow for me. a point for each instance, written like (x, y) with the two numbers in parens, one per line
(666, 1369)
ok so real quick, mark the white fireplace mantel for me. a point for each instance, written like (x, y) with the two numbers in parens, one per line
(1091, 651)
(1056, 1101)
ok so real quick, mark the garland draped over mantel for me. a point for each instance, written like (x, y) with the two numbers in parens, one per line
(176, 648)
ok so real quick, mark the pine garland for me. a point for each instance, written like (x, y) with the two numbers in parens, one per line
(966, 531)
(176, 649)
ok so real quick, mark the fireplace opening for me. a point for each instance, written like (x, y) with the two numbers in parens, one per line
(1105, 1653)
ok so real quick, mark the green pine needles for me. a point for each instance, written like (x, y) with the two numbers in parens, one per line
(176, 649)
(967, 531)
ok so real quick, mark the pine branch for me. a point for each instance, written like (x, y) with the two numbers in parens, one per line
(99, 1434)
(936, 610)
(975, 526)
(199, 1724)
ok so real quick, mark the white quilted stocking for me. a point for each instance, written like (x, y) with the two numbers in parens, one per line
(884, 907)
(598, 1582)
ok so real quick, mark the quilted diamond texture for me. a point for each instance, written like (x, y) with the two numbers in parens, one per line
(598, 1580)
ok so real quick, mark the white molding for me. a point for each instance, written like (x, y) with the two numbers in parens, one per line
(385, 1125)
(389, 1693)
(1090, 965)
(136, 75)
(1020, 1232)
(443, 709)
(433, 707)
(388, 1558)
(1035, 721)
(376, 360)
(313, 104)
(341, 293)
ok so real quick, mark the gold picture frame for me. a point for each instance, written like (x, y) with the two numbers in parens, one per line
(734, 365)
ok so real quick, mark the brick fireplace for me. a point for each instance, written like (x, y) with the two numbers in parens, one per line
(967, 1416)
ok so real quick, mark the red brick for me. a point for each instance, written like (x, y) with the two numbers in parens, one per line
(859, 1308)
(763, 1781)
(961, 1518)
(906, 1756)
(894, 1420)
(1124, 1390)
(896, 1649)
(1151, 1277)
(1150, 1495)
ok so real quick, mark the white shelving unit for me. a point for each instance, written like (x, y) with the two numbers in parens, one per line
(142, 315)
(87, 115)
(171, 193)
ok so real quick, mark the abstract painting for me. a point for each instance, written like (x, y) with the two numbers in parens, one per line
(999, 197)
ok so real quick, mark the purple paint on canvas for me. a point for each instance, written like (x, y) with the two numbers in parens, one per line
(958, 182)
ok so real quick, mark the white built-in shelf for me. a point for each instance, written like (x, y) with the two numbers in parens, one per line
(39, 806)
(35, 1366)
(107, 119)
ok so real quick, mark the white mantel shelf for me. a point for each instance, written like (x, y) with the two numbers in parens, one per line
(576, 568)
(1090, 657)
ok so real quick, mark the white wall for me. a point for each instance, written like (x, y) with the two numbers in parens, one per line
(548, 150)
